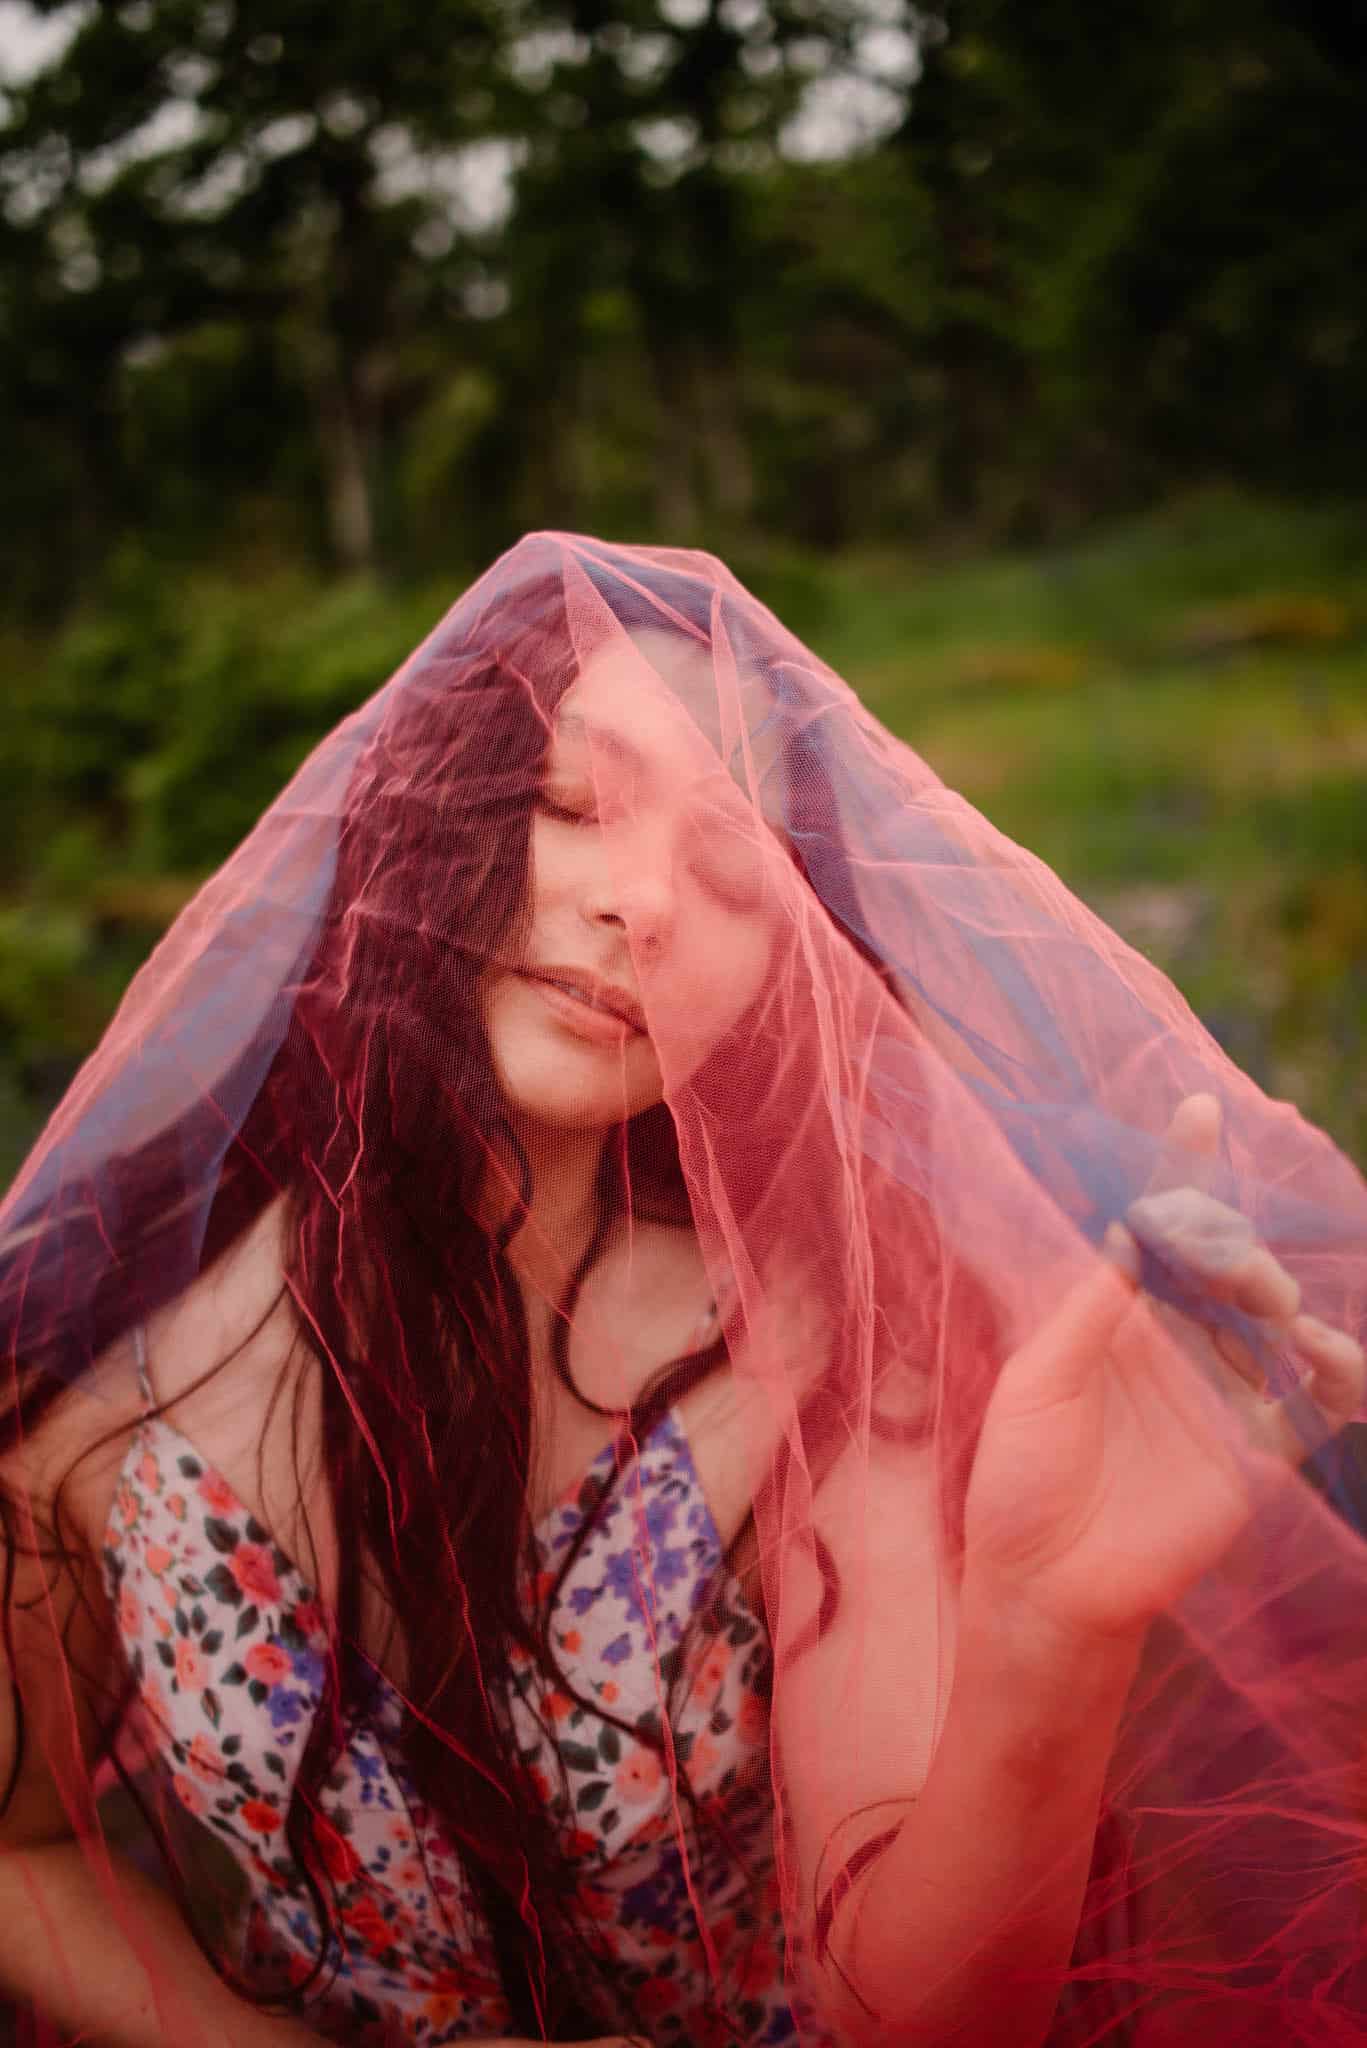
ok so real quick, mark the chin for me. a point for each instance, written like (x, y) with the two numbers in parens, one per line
(558, 1110)
(556, 1089)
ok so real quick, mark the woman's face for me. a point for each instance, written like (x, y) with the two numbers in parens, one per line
(653, 890)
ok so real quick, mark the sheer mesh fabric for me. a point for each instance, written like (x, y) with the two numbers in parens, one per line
(896, 1082)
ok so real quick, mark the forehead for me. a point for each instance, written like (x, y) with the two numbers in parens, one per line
(660, 701)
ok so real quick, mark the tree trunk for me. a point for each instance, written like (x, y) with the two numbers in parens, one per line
(716, 407)
(351, 518)
(675, 493)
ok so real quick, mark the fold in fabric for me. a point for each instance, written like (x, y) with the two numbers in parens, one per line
(894, 1083)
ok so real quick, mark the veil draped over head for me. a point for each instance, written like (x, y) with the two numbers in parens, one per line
(906, 1081)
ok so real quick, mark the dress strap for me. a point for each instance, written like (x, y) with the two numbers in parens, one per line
(140, 1360)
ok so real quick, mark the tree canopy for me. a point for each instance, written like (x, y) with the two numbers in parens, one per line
(373, 284)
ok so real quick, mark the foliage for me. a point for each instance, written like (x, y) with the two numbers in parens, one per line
(1207, 795)
(308, 307)
(366, 284)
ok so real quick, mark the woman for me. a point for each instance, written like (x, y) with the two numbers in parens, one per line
(565, 1420)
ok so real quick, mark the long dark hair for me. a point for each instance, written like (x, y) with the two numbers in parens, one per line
(376, 1119)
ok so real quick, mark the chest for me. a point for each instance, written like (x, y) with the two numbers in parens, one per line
(257, 1423)
(227, 1648)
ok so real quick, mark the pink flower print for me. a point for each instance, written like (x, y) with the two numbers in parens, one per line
(656, 1997)
(130, 1613)
(251, 1565)
(162, 1626)
(703, 1759)
(443, 2009)
(126, 1502)
(149, 1472)
(752, 1720)
(175, 1505)
(188, 1793)
(711, 1672)
(155, 1704)
(723, 1933)
(158, 1558)
(364, 1916)
(214, 1489)
(595, 1903)
(637, 1776)
(308, 1618)
(412, 1875)
(269, 1662)
(170, 1596)
(759, 1969)
(260, 1817)
(191, 1674)
(205, 1759)
(399, 1832)
(340, 1859)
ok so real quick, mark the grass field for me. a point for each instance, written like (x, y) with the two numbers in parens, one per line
(1174, 716)
(1175, 719)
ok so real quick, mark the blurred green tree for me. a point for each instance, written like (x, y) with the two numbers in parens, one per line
(284, 171)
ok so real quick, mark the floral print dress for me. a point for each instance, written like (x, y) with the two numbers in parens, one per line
(225, 1643)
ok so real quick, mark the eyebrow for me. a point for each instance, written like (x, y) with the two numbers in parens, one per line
(574, 726)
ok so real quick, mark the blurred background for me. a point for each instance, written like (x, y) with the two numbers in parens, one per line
(1014, 353)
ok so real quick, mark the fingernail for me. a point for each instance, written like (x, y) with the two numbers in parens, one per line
(1120, 1248)
(1347, 1348)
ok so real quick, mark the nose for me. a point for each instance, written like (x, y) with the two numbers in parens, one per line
(639, 903)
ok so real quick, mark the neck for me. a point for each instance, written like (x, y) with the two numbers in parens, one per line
(555, 1231)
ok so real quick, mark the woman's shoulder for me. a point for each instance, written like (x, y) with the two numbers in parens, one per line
(227, 1370)
(208, 1363)
(216, 1353)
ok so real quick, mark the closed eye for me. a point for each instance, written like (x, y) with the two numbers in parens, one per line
(729, 861)
(573, 810)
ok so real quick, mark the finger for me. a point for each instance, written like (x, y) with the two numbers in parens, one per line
(1327, 1395)
(1071, 1342)
(1336, 1366)
(1219, 1245)
(1189, 1151)
(1265, 1288)
(1239, 1359)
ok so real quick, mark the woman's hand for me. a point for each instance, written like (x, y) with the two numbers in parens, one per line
(1108, 1476)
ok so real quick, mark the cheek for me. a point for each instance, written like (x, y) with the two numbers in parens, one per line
(711, 982)
(549, 1074)
(550, 867)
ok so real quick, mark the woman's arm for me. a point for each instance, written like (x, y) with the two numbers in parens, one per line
(1014, 1791)
(960, 1801)
(106, 1958)
(989, 1769)
(85, 1938)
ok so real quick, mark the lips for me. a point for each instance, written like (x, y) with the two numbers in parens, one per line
(591, 989)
